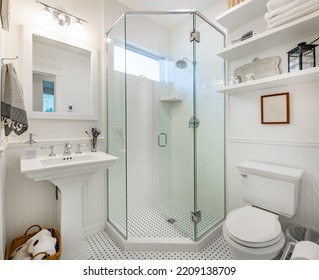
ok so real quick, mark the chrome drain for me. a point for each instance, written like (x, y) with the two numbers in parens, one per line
(171, 220)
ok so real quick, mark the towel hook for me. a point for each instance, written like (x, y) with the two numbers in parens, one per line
(8, 58)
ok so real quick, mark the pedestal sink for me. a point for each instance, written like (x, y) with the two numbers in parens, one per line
(68, 173)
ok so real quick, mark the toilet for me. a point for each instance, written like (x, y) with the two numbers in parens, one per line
(253, 232)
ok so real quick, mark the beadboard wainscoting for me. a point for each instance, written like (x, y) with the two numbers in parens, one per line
(2, 201)
(298, 154)
(29, 202)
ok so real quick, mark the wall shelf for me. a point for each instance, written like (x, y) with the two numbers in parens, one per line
(242, 13)
(304, 76)
(293, 31)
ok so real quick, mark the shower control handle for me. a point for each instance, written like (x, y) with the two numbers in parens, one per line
(193, 122)
(159, 140)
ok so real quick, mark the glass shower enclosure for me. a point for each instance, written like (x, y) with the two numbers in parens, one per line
(165, 123)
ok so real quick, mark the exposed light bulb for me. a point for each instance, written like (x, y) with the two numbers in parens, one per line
(46, 16)
(78, 29)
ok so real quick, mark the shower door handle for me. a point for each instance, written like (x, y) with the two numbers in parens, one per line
(159, 140)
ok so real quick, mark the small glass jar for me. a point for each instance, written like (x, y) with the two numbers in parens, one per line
(235, 80)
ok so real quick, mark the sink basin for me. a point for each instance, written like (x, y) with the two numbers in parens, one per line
(66, 159)
(48, 168)
(68, 173)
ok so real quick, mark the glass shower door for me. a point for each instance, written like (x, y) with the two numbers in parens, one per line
(209, 108)
(116, 109)
(176, 135)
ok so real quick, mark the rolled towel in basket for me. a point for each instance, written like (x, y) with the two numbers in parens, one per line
(22, 248)
(38, 236)
(21, 255)
(45, 244)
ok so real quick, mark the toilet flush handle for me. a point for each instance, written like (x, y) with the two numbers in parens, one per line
(243, 175)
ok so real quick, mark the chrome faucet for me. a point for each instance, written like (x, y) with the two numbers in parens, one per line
(67, 148)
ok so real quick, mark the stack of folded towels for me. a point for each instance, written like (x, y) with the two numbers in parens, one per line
(283, 11)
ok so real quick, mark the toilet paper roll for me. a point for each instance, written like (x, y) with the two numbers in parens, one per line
(305, 250)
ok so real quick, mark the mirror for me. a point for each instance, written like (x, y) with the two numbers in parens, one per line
(60, 78)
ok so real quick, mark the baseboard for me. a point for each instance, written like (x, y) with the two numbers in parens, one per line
(93, 229)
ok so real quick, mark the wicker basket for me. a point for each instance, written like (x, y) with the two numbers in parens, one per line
(232, 3)
(15, 243)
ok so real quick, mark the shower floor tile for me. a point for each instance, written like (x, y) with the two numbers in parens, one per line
(152, 222)
(101, 246)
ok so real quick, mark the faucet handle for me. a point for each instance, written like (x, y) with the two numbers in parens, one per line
(67, 147)
(79, 148)
(31, 141)
(52, 153)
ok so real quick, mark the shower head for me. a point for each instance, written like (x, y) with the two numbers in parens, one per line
(182, 63)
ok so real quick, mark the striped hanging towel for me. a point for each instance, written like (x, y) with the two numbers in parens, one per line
(13, 113)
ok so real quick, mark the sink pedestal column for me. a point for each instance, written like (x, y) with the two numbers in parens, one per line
(73, 246)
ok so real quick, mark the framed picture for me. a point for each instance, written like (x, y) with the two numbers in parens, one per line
(5, 13)
(275, 108)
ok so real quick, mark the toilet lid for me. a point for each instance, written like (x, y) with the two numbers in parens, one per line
(253, 227)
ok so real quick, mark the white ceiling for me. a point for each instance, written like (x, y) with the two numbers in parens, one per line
(167, 5)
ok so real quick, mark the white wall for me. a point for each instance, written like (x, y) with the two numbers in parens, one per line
(2, 192)
(142, 149)
(28, 202)
(2, 202)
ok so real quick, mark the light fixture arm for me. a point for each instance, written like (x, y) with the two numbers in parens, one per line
(55, 9)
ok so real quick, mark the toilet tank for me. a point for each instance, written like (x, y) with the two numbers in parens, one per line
(271, 187)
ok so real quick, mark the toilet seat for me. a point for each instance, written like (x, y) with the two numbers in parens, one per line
(253, 227)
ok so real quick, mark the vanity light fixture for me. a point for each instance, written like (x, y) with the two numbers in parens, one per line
(60, 17)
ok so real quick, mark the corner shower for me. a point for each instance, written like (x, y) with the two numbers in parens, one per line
(166, 125)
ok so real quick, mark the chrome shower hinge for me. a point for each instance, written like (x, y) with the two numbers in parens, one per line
(196, 217)
(194, 36)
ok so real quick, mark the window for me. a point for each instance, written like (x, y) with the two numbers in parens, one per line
(138, 63)
(48, 96)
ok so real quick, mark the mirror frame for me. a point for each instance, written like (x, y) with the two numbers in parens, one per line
(28, 79)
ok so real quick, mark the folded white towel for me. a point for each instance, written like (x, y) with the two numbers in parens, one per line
(274, 4)
(284, 9)
(301, 11)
